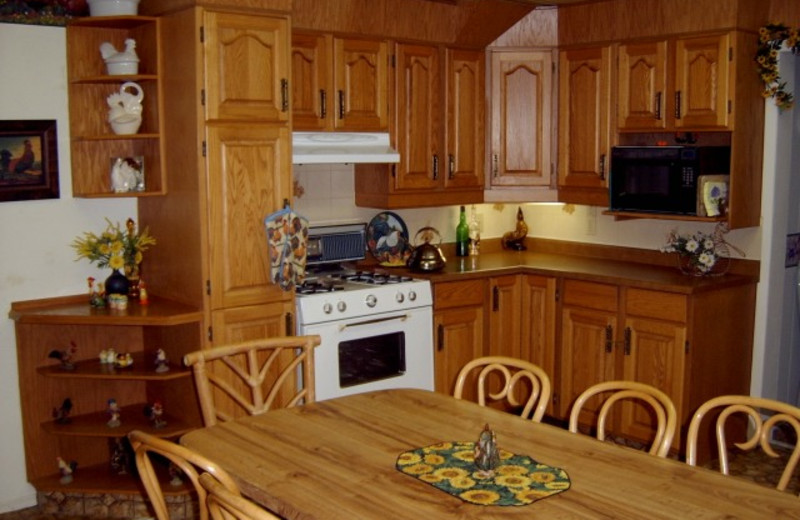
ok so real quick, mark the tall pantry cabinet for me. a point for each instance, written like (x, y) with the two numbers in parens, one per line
(227, 150)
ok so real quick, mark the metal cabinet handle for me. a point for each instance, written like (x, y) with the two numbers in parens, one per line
(603, 167)
(435, 166)
(627, 341)
(495, 160)
(678, 104)
(609, 338)
(284, 95)
(323, 103)
(451, 166)
(658, 106)
(440, 338)
(341, 104)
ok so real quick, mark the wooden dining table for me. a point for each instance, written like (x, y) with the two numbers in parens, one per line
(336, 459)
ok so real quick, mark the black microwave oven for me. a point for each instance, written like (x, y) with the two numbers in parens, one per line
(662, 179)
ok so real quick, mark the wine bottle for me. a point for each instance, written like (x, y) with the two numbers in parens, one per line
(462, 234)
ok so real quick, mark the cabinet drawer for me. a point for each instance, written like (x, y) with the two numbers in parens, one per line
(458, 294)
(656, 304)
(590, 295)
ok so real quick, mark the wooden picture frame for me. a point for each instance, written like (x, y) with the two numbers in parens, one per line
(28, 160)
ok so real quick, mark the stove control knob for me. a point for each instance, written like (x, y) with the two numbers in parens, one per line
(412, 296)
(327, 308)
(400, 298)
(341, 306)
(372, 301)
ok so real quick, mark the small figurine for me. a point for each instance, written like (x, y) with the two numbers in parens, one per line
(487, 455)
(143, 298)
(114, 412)
(108, 356)
(61, 415)
(65, 356)
(119, 456)
(95, 298)
(124, 360)
(516, 239)
(162, 365)
(66, 470)
(155, 412)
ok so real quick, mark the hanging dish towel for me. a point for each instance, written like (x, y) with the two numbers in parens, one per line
(287, 239)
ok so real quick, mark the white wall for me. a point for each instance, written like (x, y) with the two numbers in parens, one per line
(36, 260)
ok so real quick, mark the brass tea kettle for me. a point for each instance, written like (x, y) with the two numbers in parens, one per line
(426, 257)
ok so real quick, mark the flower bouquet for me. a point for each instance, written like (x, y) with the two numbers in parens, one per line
(699, 253)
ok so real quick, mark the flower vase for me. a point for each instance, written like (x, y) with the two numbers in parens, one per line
(117, 283)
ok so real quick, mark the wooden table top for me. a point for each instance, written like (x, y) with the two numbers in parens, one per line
(336, 459)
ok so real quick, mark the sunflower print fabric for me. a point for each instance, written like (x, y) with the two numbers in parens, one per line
(450, 466)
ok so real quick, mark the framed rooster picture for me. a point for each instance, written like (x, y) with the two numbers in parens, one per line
(28, 160)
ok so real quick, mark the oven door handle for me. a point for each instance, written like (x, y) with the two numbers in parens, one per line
(403, 317)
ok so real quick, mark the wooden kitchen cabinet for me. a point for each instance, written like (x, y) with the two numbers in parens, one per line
(228, 146)
(693, 94)
(459, 331)
(93, 144)
(521, 159)
(339, 83)
(53, 324)
(438, 131)
(585, 122)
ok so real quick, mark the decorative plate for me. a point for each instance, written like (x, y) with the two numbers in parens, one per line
(387, 239)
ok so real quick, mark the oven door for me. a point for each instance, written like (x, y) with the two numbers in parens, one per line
(389, 350)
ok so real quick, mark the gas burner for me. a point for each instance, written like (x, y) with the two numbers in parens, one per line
(368, 277)
(318, 286)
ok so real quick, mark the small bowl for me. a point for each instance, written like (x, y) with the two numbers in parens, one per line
(126, 126)
(113, 7)
(122, 68)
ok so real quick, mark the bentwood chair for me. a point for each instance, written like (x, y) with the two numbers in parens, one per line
(252, 377)
(764, 415)
(226, 505)
(191, 464)
(522, 384)
(658, 401)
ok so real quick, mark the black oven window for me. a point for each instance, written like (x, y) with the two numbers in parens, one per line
(370, 359)
(650, 180)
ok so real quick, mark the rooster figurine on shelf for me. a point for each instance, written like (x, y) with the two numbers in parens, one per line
(487, 454)
(65, 356)
(516, 239)
(66, 469)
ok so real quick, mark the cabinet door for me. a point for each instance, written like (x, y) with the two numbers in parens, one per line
(465, 119)
(459, 339)
(419, 127)
(642, 85)
(249, 178)
(312, 82)
(505, 316)
(538, 320)
(247, 67)
(584, 125)
(588, 326)
(701, 81)
(361, 81)
(521, 112)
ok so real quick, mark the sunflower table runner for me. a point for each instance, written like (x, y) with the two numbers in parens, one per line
(450, 466)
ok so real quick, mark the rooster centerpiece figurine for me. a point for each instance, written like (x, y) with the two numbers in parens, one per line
(65, 356)
(516, 239)
(487, 454)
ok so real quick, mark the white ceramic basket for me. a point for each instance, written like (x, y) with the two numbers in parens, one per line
(113, 7)
(118, 68)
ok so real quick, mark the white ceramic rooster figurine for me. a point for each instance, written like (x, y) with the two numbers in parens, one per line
(120, 62)
(487, 454)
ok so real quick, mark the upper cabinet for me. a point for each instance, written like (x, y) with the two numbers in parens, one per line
(438, 130)
(94, 144)
(521, 163)
(584, 119)
(339, 83)
(691, 95)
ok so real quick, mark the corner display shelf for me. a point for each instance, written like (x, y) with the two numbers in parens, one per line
(94, 144)
(54, 324)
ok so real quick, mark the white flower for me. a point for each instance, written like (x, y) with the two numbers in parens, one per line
(692, 245)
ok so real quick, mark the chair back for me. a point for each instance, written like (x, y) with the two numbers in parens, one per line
(225, 505)
(661, 404)
(253, 377)
(191, 464)
(522, 384)
(756, 409)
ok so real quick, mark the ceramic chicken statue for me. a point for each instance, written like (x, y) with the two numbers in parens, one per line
(61, 415)
(65, 356)
(66, 469)
(487, 454)
(516, 239)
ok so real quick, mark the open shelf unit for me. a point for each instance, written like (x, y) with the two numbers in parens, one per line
(43, 326)
(94, 144)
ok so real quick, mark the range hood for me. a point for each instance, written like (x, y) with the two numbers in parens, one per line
(342, 147)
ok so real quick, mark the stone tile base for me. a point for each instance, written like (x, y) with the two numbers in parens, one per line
(108, 506)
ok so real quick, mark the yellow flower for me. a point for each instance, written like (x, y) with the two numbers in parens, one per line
(116, 262)
(466, 455)
(479, 496)
(512, 469)
(430, 478)
(418, 469)
(512, 481)
(451, 473)
(462, 483)
(440, 446)
(434, 459)
(558, 485)
(117, 246)
(541, 476)
(527, 496)
(408, 458)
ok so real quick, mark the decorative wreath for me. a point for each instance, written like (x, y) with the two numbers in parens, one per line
(771, 38)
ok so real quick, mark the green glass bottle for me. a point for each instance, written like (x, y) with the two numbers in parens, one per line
(462, 234)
